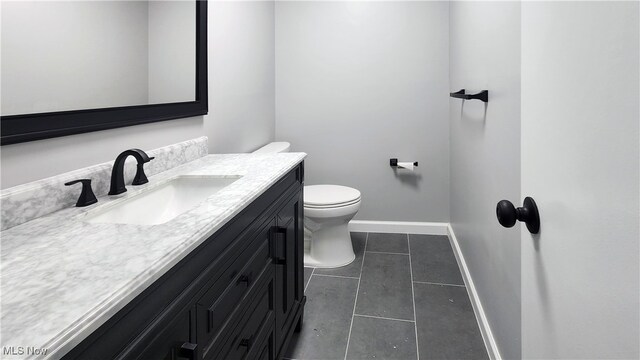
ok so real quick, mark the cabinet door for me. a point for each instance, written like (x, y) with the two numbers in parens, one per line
(288, 258)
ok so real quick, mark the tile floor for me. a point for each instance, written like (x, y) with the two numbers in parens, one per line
(401, 298)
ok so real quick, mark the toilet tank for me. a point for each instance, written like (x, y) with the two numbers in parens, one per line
(274, 147)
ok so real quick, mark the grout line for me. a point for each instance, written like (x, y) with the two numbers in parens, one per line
(355, 302)
(386, 252)
(413, 298)
(383, 318)
(435, 283)
(336, 276)
(309, 281)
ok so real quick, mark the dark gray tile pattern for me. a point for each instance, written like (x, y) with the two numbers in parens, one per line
(445, 324)
(392, 243)
(447, 327)
(352, 270)
(385, 287)
(432, 260)
(382, 339)
(327, 319)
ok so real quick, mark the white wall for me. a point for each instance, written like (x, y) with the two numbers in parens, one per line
(172, 51)
(241, 104)
(580, 153)
(485, 157)
(358, 83)
(35, 160)
(241, 75)
(39, 42)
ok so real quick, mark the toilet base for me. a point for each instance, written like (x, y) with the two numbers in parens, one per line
(329, 244)
(311, 262)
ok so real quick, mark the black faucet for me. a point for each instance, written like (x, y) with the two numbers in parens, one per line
(117, 174)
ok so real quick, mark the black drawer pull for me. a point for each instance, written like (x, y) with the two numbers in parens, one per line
(188, 350)
(246, 342)
(279, 237)
(245, 279)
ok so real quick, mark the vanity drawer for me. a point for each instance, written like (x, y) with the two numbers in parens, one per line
(254, 336)
(217, 309)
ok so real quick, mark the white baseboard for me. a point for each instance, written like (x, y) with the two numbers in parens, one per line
(423, 228)
(483, 323)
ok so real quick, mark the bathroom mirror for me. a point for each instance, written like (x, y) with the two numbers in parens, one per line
(70, 67)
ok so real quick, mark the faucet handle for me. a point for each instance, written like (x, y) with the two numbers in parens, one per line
(140, 177)
(87, 196)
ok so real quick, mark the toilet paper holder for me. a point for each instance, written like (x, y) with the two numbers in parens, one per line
(394, 162)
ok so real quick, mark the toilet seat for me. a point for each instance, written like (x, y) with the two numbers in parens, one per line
(307, 206)
(329, 196)
(332, 212)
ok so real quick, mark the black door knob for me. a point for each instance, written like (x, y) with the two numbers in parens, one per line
(528, 213)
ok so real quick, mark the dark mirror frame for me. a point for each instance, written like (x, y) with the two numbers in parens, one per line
(37, 126)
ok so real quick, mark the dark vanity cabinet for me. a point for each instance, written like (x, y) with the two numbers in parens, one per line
(239, 295)
(288, 259)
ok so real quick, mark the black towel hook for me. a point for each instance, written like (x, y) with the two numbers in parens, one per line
(482, 95)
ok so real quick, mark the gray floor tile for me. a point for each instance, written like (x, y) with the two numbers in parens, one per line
(432, 260)
(394, 243)
(353, 270)
(382, 339)
(385, 287)
(327, 318)
(307, 275)
(447, 327)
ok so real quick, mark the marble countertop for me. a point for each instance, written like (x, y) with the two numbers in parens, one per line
(62, 277)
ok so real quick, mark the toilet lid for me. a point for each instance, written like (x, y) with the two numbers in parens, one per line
(330, 195)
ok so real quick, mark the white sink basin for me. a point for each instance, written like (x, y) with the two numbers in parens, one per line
(163, 203)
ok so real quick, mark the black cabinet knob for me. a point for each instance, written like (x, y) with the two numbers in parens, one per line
(528, 213)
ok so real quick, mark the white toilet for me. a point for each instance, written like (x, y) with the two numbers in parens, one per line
(327, 212)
